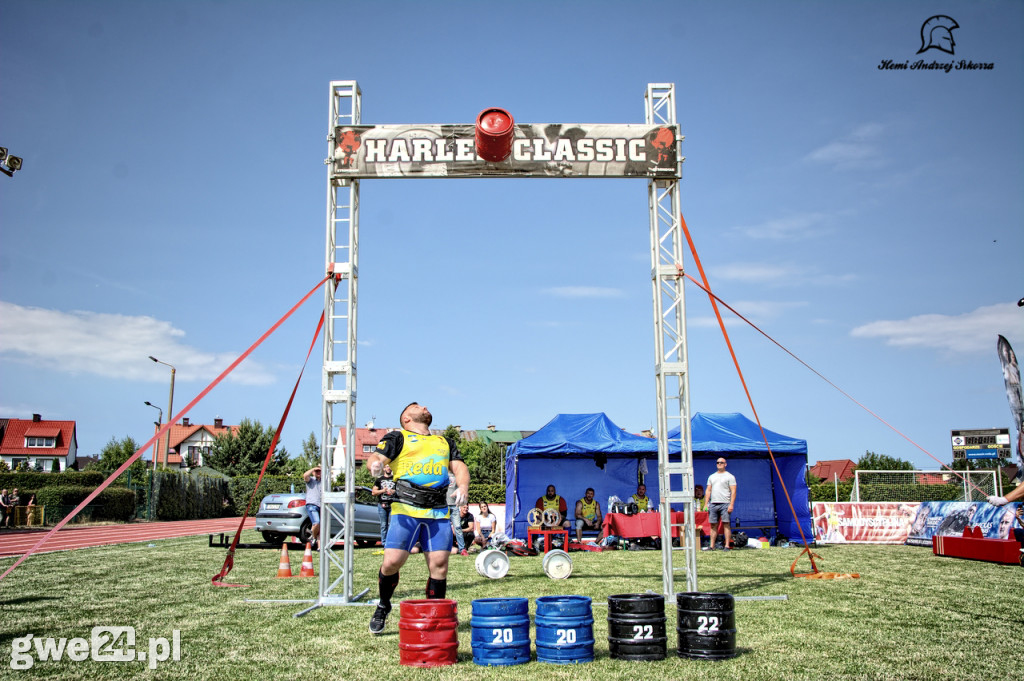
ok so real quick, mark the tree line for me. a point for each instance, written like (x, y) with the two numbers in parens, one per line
(242, 454)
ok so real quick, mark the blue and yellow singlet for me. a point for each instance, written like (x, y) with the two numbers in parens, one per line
(420, 459)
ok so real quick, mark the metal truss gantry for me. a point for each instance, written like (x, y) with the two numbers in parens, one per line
(675, 478)
(341, 296)
(337, 450)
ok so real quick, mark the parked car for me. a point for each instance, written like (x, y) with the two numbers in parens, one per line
(283, 515)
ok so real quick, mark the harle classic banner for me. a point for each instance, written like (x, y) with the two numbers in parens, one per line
(554, 150)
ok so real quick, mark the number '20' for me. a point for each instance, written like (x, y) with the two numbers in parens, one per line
(502, 636)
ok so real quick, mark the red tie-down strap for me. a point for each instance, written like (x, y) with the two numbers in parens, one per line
(160, 432)
(750, 400)
(229, 560)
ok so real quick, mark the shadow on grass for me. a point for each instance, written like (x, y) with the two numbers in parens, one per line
(750, 582)
(27, 599)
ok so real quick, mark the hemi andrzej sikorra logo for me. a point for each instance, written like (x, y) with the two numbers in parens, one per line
(936, 34)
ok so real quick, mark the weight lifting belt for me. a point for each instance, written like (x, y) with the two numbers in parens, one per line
(422, 497)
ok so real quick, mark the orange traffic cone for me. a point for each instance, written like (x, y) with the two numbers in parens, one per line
(284, 568)
(307, 563)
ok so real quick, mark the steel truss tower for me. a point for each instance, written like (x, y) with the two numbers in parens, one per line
(341, 295)
(671, 375)
(337, 449)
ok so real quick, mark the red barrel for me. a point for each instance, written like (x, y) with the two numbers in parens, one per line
(494, 132)
(428, 633)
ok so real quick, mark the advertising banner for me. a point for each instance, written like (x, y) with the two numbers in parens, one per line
(949, 518)
(539, 150)
(862, 523)
(1011, 377)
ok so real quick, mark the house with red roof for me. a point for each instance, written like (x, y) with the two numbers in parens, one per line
(367, 440)
(38, 441)
(829, 470)
(189, 443)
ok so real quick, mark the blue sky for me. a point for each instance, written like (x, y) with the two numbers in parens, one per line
(172, 203)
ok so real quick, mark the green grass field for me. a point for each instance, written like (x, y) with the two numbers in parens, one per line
(911, 615)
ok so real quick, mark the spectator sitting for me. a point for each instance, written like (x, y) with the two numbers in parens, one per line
(485, 524)
(466, 524)
(588, 515)
(551, 500)
(643, 505)
(642, 501)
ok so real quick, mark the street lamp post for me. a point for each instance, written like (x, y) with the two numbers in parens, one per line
(170, 413)
(159, 422)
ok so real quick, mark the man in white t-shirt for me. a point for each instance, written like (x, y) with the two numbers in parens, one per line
(720, 493)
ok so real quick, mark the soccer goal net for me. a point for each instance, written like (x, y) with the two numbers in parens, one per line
(922, 485)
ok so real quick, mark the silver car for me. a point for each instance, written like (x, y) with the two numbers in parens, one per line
(284, 515)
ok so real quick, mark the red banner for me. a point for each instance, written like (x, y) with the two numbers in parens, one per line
(863, 523)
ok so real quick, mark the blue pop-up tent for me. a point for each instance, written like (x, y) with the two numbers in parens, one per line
(577, 451)
(760, 500)
(574, 452)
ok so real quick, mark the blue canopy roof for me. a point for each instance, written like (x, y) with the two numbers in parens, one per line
(576, 451)
(582, 434)
(734, 432)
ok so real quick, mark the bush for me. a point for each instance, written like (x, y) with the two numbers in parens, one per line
(34, 480)
(240, 489)
(492, 493)
(180, 496)
(113, 503)
(897, 492)
(826, 491)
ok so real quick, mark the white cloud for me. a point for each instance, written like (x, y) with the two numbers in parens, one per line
(112, 346)
(792, 228)
(775, 274)
(971, 332)
(584, 292)
(858, 150)
(755, 273)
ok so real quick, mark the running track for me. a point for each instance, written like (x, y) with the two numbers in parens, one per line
(16, 543)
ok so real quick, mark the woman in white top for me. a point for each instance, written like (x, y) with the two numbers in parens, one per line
(485, 524)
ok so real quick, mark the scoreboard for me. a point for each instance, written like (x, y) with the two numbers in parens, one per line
(990, 443)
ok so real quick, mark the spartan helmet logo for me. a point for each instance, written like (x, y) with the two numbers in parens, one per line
(937, 32)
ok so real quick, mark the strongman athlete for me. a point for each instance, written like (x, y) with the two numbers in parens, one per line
(419, 514)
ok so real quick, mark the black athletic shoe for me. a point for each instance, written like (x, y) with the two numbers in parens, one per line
(379, 619)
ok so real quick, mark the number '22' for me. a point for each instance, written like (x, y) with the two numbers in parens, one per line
(707, 625)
